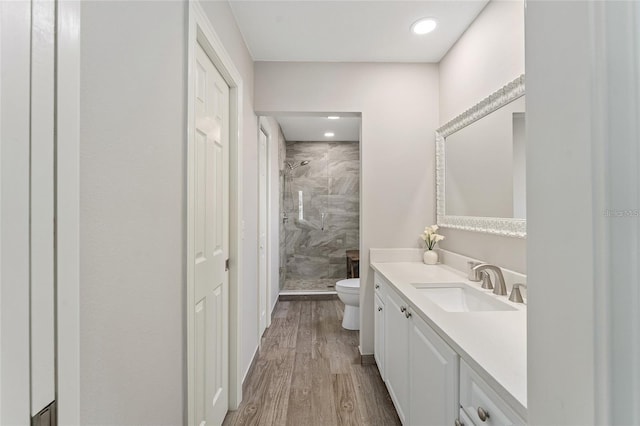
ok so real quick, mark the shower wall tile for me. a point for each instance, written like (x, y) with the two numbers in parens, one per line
(344, 151)
(344, 185)
(330, 184)
(343, 204)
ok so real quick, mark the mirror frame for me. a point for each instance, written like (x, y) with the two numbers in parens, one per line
(510, 227)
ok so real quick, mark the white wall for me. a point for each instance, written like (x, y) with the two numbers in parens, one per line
(487, 56)
(399, 106)
(224, 24)
(132, 224)
(132, 206)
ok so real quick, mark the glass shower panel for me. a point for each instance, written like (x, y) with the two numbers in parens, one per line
(320, 211)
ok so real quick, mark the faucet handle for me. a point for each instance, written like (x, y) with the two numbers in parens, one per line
(486, 280)
(473, 274)
(516, 295)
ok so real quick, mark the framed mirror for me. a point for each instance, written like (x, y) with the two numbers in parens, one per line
(480, 166)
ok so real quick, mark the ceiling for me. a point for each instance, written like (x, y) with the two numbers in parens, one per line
(313, 128)
(351, 30)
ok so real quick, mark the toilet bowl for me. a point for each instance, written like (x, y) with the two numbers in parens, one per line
(349, 292)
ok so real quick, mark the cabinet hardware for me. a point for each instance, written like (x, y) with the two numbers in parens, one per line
(377, 286)
(458, 423)
(407, 314)
(379, 308)
(483, 414)
(403, 308)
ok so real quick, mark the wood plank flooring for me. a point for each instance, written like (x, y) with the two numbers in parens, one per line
(308, 372)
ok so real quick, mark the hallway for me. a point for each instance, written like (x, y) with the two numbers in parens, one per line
(308, 372)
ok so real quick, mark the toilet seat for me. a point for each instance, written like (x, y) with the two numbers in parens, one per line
(351, 286)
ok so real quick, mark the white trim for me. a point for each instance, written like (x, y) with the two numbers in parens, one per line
(615, 113)
(201, 31)
(15, 56)
(263, 126)
(68, 212)
(509, 227)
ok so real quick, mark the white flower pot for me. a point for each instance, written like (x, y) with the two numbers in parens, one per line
(430, 257)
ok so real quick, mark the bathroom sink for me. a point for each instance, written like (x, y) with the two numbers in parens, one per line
(458, 297)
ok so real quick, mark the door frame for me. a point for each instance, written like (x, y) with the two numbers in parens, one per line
(67, 184)
(263, 126)
(201, 32)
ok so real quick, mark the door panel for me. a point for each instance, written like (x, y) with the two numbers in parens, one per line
(211, 239)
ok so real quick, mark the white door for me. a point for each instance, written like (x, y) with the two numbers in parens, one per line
(263, 208)
(211, 241)
(27, 315)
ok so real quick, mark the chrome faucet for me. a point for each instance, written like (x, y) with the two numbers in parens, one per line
(500, 287)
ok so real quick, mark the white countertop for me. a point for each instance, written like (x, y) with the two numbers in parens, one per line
(493, 343)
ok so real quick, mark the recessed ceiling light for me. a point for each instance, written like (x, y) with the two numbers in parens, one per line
(424, 26)
(333, 117)
(329, 135)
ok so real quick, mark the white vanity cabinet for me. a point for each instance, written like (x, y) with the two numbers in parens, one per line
(420, 369)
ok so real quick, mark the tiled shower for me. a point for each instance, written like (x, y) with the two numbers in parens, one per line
(320, 207)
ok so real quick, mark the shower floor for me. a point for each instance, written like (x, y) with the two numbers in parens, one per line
(318, 284)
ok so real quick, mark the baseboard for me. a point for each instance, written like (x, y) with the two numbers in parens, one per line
(252, 366)
(273, 308)
(367, 359)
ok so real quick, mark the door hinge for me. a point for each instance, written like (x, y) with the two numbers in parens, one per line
(226, 265)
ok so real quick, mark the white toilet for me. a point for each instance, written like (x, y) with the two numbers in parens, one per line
(349, 292)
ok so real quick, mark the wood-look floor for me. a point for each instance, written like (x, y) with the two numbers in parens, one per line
(308, 372)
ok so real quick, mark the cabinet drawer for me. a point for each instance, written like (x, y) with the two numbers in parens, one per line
(477, 396)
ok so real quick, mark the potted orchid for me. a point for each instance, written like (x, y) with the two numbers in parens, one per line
(431, 238)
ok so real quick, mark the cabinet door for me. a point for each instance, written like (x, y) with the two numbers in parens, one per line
(396, 347)
(434, 377)
(379, 333)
